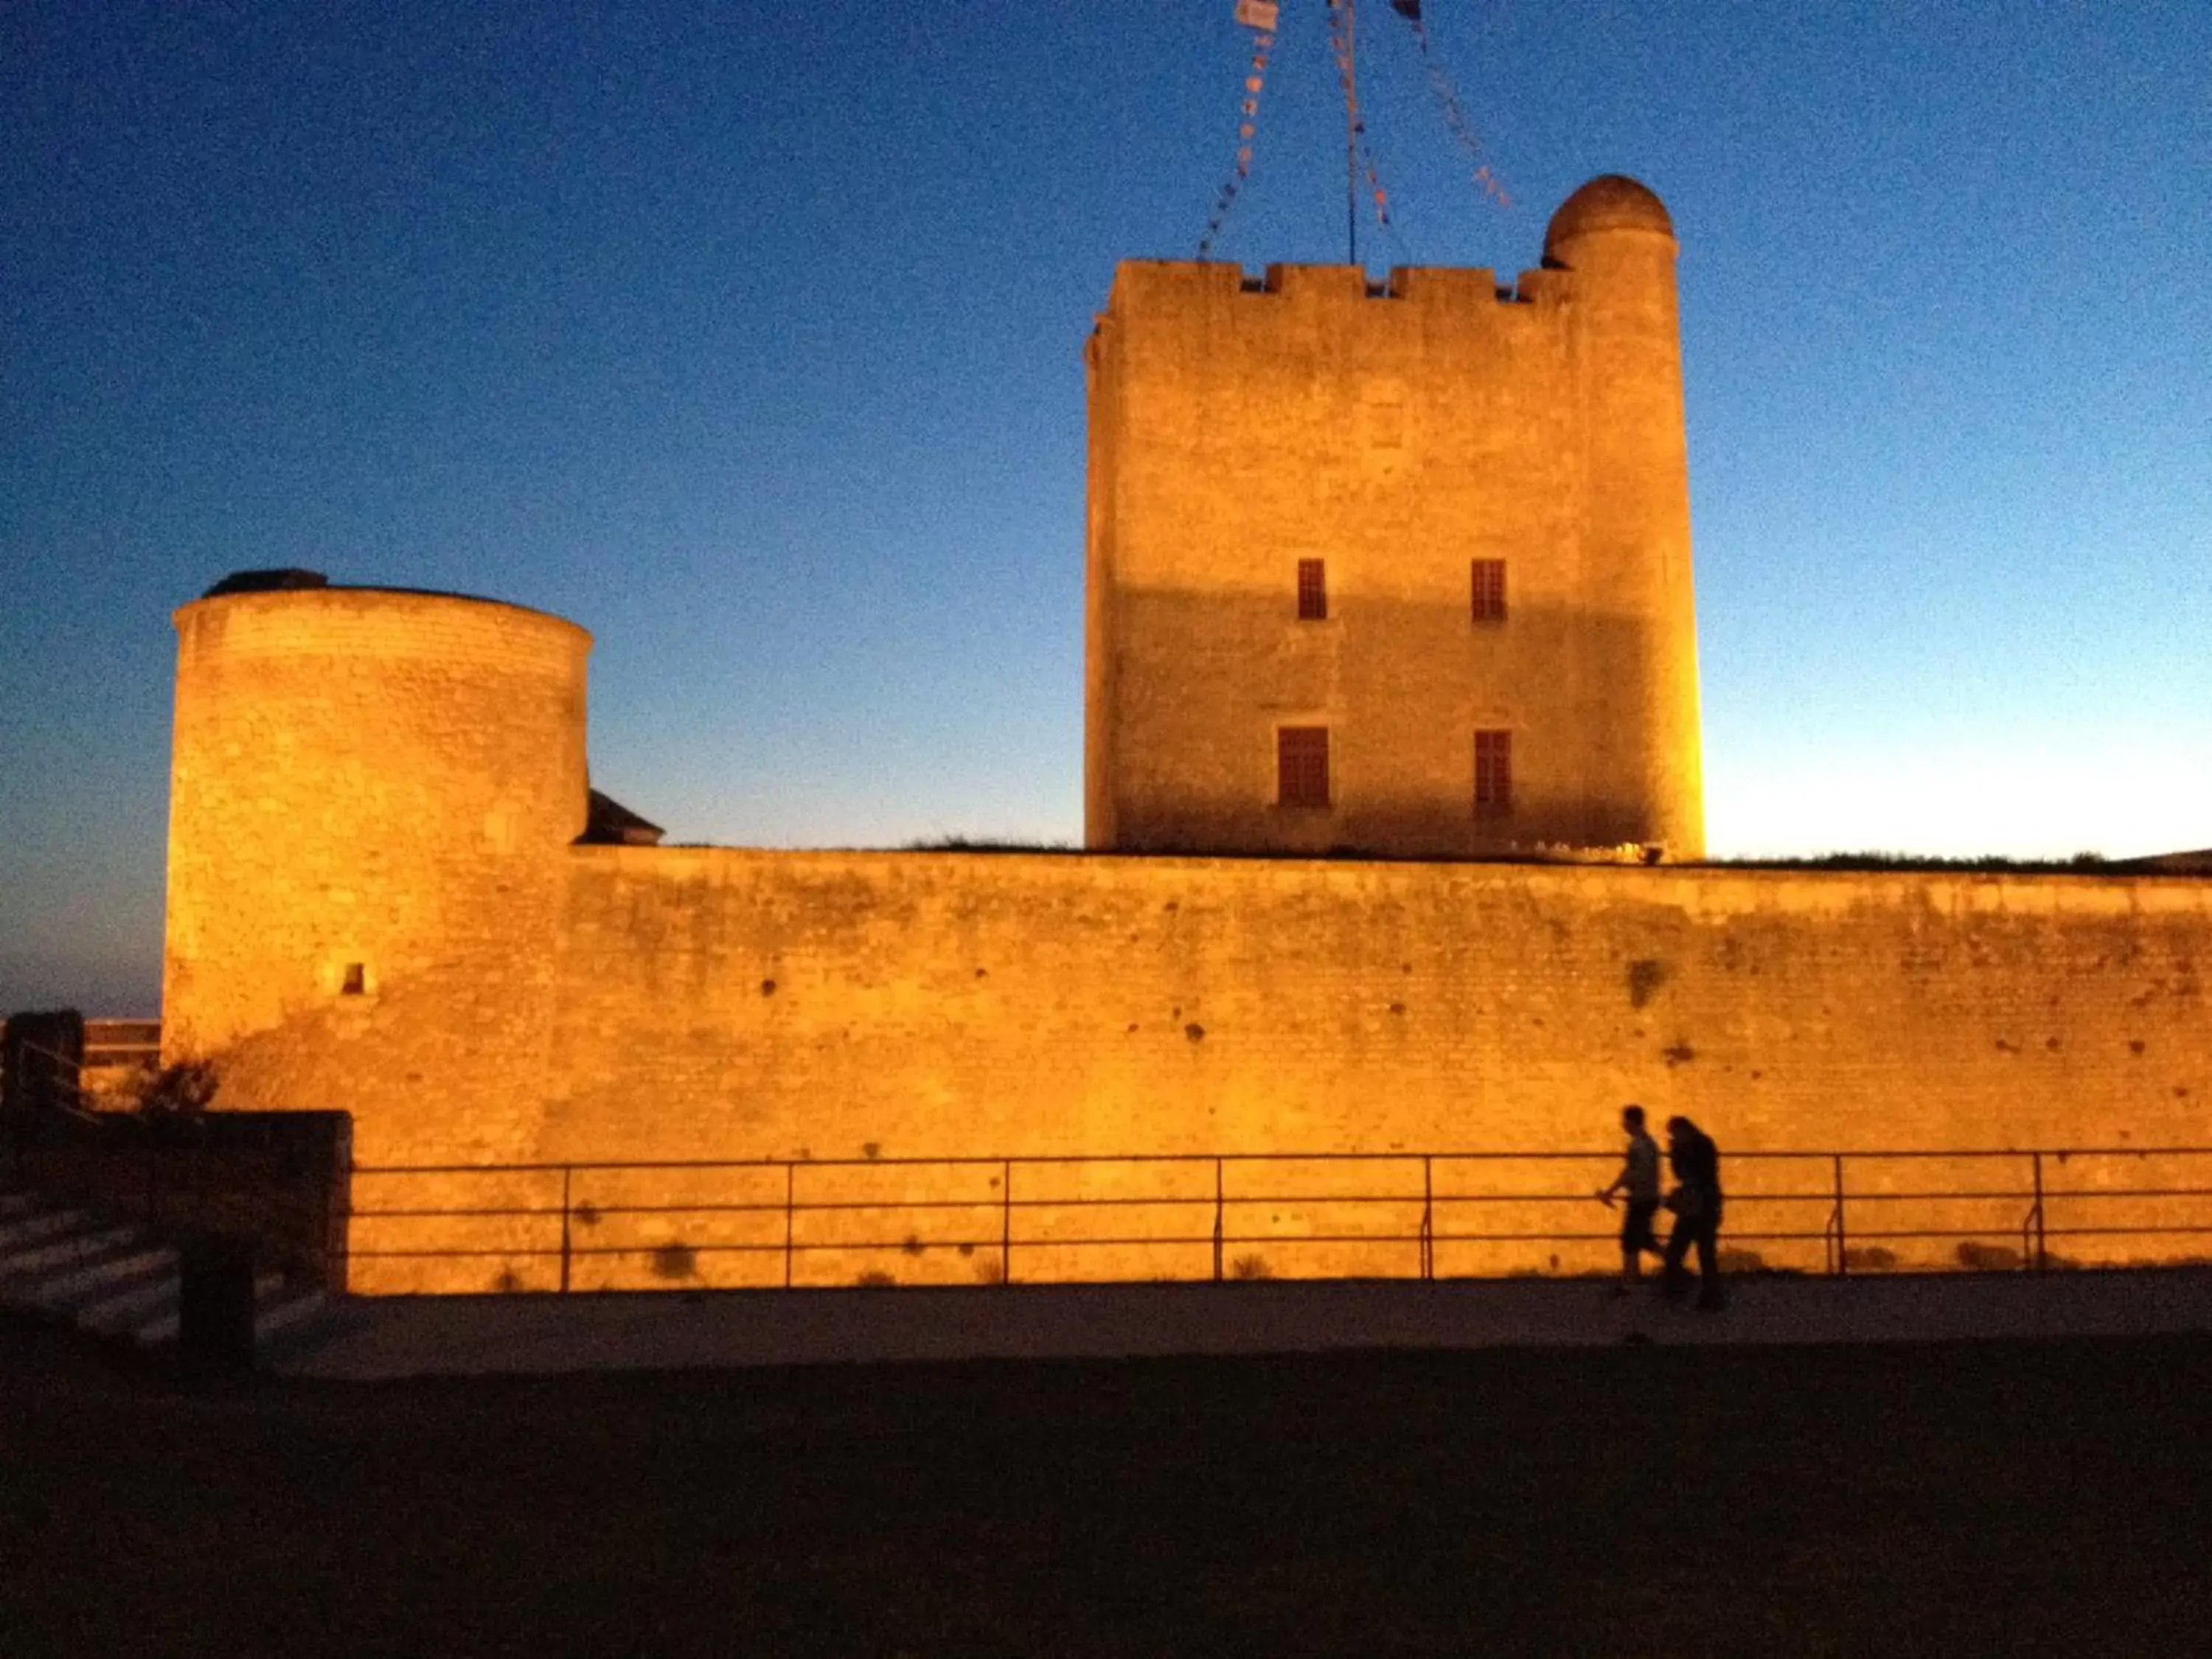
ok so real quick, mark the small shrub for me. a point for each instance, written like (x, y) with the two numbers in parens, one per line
(914, 1246)
(1869, 1258)
(508, 1282)
(1742, 1262)
(1250, 1267)
(585, 1215)
(183, 1089)
(675, 1261)
(875, 1279)
(1981, 1258)
(990, 1271)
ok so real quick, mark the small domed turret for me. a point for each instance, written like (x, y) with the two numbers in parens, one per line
(1610, 202)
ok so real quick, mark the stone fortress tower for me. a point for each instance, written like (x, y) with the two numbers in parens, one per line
(1398, 569)
(1405, 573)
(373, 797)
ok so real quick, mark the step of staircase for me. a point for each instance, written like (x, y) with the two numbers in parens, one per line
(33, 1224)
(64, 1250)
(288, 1308)
(124, 1307)
(88, 1280)
(118, 1280)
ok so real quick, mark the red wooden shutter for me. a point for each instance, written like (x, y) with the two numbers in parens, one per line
(1489, 590)
(1302, 766)
(1493, 774)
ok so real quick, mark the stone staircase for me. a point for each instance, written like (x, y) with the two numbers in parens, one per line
(64, 1259)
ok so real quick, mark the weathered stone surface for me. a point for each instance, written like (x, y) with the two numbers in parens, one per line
(1397, 437)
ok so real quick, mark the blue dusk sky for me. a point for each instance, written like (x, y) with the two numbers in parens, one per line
(749, 336)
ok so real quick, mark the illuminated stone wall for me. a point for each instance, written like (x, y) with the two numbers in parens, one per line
(382, 787)
(719, 1004)
(1395, 436)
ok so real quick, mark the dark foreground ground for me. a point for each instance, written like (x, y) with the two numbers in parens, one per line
(1993, 1497)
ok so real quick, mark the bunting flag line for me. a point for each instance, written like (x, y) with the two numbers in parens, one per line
(1260, 17)
(1462, 130)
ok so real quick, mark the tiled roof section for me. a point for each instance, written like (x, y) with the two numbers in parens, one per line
(608, 822)
(266, 582)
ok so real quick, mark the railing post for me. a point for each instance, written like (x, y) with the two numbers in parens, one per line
(790, 1209)
(1428, 1217)
(1006, 1223)
(2040, 1255)
(567, 1173)
(1843, 1236)
(1216, 1220)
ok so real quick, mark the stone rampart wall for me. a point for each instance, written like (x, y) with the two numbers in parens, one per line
(852, 1011)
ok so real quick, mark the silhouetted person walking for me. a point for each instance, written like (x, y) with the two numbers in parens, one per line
(1696, 1202)
(1639, 1179)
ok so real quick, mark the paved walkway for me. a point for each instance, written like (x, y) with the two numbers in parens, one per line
(423, 1336)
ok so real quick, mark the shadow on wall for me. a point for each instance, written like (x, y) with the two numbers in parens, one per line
(1205, 679)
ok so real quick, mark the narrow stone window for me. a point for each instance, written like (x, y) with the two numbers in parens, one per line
(356, 979)
(1489, 587)
(1313, 591)
(1493, 774)
(1302, 766)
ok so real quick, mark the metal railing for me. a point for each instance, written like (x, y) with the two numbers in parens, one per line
(276, 1179)
(54, 1082)
(1418, 1215)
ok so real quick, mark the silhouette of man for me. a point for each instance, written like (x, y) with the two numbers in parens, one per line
(1696, 1202)
(1639, 1179)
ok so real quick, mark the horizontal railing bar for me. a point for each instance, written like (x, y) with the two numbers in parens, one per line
(473, 1214)
(1039, 1159)
(598, 1213)
(1735, 1200)
(2049, 1192)
(2099, 1232)
(587, 1214)
(905, 1247)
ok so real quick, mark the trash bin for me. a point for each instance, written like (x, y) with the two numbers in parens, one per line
(215, 1301)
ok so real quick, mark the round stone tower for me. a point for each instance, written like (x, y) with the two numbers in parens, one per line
(371, 796)
(1616, 239)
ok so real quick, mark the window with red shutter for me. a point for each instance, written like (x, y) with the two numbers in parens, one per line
(1488, 586)
(1302, 766)
(1493, 774)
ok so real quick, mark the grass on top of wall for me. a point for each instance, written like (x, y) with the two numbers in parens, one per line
(2080, 864)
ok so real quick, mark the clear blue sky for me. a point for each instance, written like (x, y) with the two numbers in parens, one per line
(749, 335)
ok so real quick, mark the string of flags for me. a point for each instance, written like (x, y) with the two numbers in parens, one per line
(1462, 130)
(1258, 16)
(1263, 18)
